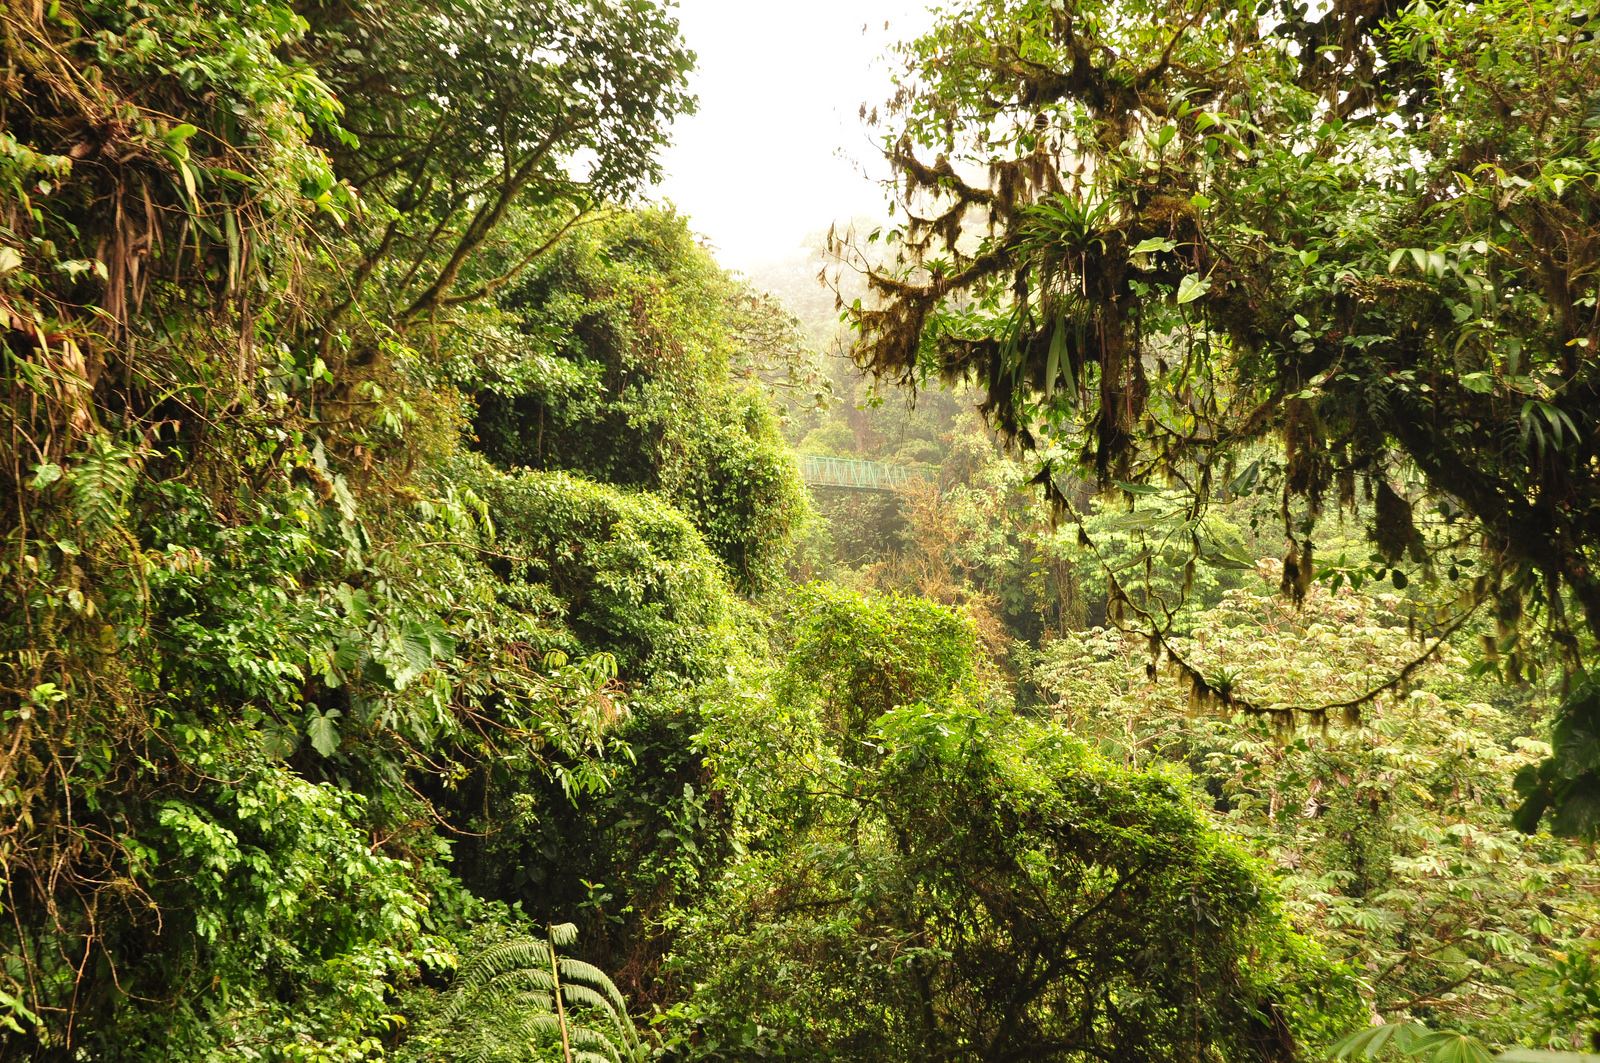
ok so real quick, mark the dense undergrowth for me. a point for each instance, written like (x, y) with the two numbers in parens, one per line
(411, 648)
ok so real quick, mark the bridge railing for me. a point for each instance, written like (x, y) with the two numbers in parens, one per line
(857, 473)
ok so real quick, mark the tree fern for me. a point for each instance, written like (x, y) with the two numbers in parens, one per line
(521, 1000)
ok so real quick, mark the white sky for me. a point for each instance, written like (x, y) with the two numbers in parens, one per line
(781, 83)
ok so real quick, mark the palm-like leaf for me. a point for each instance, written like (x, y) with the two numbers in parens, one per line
(504, 1006)
(1412, 1040)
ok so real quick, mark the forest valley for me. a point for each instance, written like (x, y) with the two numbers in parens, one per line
(419, 642)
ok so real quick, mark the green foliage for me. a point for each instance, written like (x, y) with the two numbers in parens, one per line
(977, 538)
(1568, 784)
(1035, 902)
(594, 568)
(860, 657)
(519, 999)
(982, 887)
(1574, 1005)
(301, 696)
(476, 134)
(1411, 1040)
(272, 883)
(1395, 839)
(627, 571)
(1330, 230)
(620, 367)
(239, 704)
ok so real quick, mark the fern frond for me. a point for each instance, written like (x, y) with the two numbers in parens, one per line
(546, 1024)
(506, 956)
(504, 1003)
(592, 1042)
(524, 956)
(536, 979)
(598, 992)
(587, 973)
(581, 996)
(102, 481)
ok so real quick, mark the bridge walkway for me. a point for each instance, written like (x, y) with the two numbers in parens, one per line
(857, 474)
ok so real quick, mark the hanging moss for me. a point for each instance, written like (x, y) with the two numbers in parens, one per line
(1393, 530)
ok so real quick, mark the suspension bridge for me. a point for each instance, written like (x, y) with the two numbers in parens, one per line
(857, 474)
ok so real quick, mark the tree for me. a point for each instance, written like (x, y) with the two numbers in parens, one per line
(1157, 234)
(518, 999)
(1394, 839)
(596, 569)
(971, 885)
(618, 363)
(465, 121)
(235, 648)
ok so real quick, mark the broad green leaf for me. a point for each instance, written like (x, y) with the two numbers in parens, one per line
(1151, 244)
(1138, 489)
(323, 732)
(1370, 1043)
(44, 475)
(279, 742)
(1191, 288)
(1445, 1046)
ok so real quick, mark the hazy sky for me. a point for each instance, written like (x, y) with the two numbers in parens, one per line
(780, 85)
